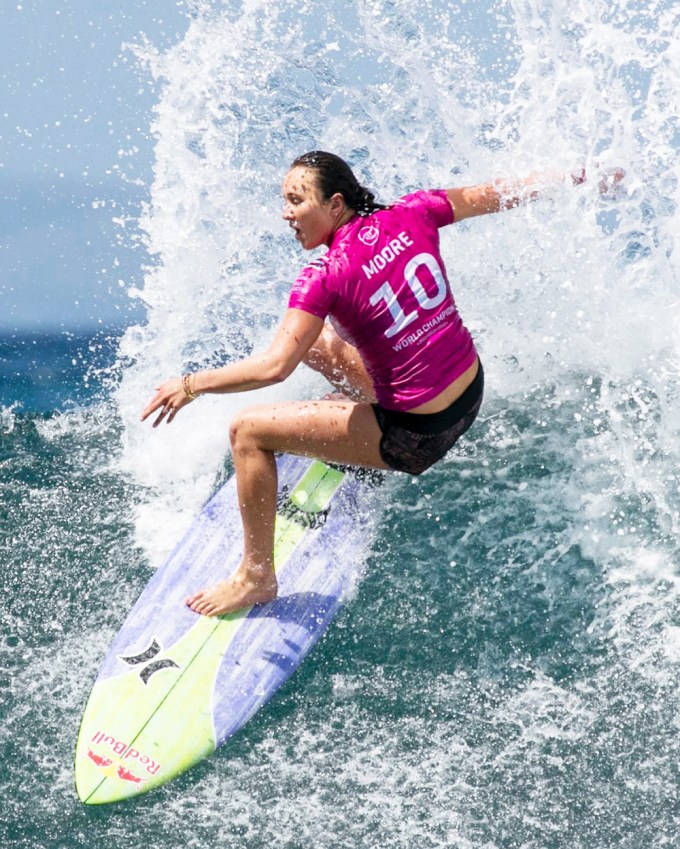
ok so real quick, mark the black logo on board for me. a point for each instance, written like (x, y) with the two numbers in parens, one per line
(147, 655)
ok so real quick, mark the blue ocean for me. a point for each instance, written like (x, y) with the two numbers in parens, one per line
(506, 672)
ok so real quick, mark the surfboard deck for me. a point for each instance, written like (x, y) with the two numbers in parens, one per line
(175, 685)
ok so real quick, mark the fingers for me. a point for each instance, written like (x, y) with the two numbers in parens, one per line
(169, 399)
(156, 402)
(578, 177)
(610, 180)
(165, 411)
(149, 409)
(168, 413)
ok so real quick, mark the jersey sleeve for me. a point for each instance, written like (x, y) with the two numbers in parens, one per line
(311, 291)
(433, 203)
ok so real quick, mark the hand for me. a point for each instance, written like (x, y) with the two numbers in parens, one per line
(610, 180)
(607, 183)
(170, 397)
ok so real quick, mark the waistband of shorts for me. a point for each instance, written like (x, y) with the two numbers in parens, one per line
(430, 424)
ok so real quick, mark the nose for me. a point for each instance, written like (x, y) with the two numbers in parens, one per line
(287, 212)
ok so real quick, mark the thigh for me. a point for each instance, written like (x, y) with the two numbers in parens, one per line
(335, 430)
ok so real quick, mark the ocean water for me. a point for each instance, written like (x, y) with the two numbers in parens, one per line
(506, 674)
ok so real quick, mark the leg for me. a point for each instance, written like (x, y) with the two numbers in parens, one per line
(335, 430)
(340, 363)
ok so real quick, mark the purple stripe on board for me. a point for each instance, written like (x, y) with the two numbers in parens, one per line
(276, 637)
(210, 550)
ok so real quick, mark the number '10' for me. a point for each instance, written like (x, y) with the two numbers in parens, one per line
(386, 292)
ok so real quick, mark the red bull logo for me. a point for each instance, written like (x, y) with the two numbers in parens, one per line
(99, 759)
(126, 775)
(124, 758)
(121, 771)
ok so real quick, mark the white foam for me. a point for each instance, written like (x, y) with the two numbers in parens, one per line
(8, 418)
(574, 301)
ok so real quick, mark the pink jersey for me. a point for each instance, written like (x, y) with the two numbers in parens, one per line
(384, 286)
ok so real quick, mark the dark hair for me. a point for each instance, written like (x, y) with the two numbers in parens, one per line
(335, 176)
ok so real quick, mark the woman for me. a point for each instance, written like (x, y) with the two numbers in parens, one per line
(406, 366)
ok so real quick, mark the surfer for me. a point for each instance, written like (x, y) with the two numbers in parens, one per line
(404, 365)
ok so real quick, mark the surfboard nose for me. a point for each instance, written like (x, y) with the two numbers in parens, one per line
(174, 684)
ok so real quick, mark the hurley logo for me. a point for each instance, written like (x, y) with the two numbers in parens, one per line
(148, 668)
(369, 235)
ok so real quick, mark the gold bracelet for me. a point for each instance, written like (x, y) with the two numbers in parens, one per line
(191, 395)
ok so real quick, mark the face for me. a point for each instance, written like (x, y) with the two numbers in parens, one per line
(313, 219)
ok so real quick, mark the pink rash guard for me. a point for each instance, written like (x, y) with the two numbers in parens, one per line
(384, 286)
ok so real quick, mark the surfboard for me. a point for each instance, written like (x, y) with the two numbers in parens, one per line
(175, 685)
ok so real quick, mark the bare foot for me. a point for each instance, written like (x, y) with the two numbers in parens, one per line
(235, 594)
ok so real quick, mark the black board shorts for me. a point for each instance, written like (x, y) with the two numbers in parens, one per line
(412, 442)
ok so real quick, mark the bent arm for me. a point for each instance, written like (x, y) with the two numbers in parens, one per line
(484, 198)
(501, 194)
(294, 337)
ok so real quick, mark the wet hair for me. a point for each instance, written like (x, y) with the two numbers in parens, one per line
(335, 176)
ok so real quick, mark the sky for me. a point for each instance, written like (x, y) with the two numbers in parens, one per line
(75, 154)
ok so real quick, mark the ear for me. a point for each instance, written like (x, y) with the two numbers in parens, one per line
(337, 203)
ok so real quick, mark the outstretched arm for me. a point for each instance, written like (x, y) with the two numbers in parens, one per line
(506, 194)
(295, 336)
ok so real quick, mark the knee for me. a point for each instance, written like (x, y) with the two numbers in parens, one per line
(241, 431)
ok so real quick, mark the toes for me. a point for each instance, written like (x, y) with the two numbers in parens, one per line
(196, 602)
(204, 607)
(199, 603)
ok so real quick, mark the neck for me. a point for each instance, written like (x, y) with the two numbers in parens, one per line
(346, 216)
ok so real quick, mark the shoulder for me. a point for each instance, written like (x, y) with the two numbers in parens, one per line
(317, 267)
(312, 275)
(310, 291)
(431, 202)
